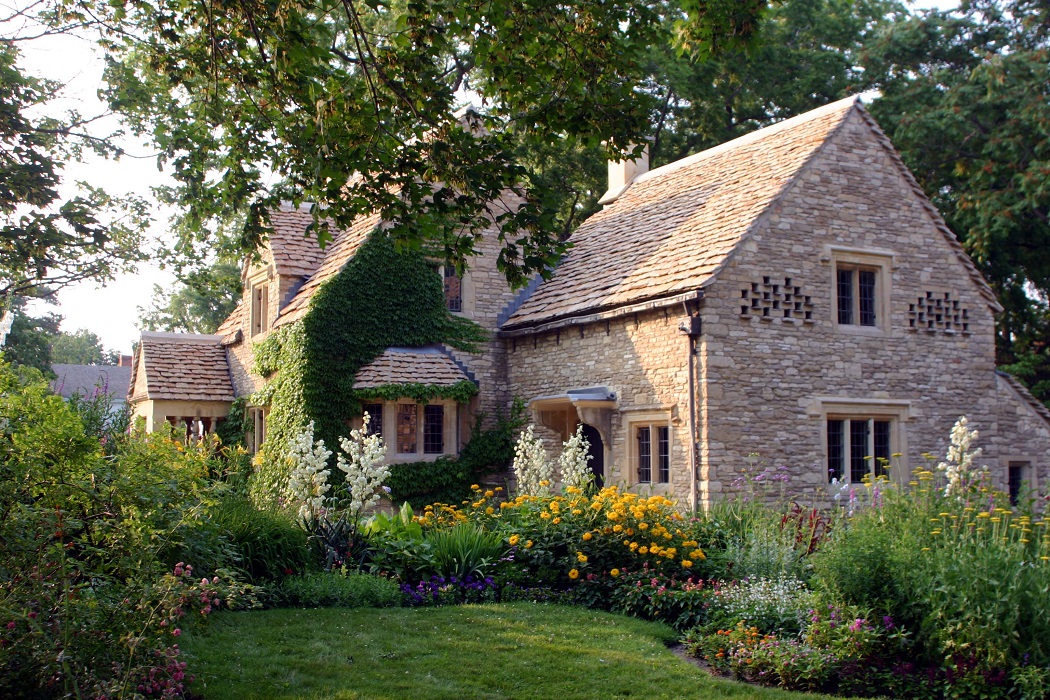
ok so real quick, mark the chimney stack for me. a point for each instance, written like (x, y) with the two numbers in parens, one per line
(124, 361)
(622, 173)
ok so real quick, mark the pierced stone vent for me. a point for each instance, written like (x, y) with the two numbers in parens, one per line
(769, 299)
(937, 311)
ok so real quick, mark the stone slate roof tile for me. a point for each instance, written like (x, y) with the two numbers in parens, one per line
(183, 367)
(295, 250)
(676, 226)
(410, 366)
(339, 252)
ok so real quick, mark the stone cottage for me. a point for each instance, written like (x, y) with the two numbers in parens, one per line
(791, 294)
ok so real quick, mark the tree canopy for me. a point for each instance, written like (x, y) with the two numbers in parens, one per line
(965, 97)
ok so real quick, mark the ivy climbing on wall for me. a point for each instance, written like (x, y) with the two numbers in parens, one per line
(384, 297)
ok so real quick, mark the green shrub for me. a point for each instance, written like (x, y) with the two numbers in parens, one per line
(464, 550)
(339, 589)
(268, 546)
(445, 480)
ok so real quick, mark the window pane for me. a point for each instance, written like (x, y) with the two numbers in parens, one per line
(1016, 480)
(836, 448)
(858, 450)
(406, 428)
(664, 453)
(866, 296)
(645, 456)
(882, 447)
(434, 430)
(453, 289)
(374, 411)
(845, 294)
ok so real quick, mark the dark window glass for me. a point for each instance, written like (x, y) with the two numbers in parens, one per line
(881, 439)
(374, 411)
(1016, 480)
(858, 450)
(866, 296)
(664, 453)
(645, 456)
(453, 289)
(406, 428)
(845, 293)
(434, 430)
(836, 448)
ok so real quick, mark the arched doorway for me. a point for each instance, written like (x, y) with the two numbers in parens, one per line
(597, 453)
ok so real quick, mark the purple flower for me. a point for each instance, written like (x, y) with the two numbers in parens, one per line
(887, 622)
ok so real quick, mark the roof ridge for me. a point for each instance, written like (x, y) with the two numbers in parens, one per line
(748, 138)
(180, 337)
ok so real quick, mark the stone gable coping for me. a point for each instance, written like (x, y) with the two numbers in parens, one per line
(1025, 395)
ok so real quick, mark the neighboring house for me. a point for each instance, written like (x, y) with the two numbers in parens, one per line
(791, 294)
(85, 380)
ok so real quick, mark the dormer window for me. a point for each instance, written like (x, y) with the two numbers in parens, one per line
(260, 308)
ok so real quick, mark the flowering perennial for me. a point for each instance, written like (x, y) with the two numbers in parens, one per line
(309, 480)
(573, 461)
(958, 466)
(531, 468)
(364, 470)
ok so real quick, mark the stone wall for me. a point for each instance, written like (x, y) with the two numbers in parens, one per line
(770, 378)
(641, 358)
(1020, 434)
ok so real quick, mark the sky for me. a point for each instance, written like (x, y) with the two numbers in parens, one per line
(112, 311)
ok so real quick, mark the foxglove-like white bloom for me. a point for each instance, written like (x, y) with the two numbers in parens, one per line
(958, 466)
(573, 461)
(363, 467)
(309, 480)
(531, 468)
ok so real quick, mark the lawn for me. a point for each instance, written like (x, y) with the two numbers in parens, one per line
(516, 651)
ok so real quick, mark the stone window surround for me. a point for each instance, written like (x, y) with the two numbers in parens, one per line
(640, 419)
(896, 412)
(467, 296)
(256, 427)
(883, 262)
(451, 429)
(1030, 476)
(259, 279)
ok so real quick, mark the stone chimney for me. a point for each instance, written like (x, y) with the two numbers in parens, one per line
(622, 173)
(125, 361)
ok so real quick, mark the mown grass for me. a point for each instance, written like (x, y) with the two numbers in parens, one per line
(515, 651)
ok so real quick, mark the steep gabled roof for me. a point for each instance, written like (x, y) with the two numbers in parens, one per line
(181, 367)
(338, 254)
(1022, 392)
(295, 250)
(674, 228)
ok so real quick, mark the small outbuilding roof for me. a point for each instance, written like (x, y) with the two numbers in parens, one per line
(430, 365)
(181, 367)
(83, 379)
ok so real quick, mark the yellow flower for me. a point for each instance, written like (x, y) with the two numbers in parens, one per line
(643, 526)
(528, 544)
(581, 557)
(612, 515)
(587, 537)
(545, 482)
(514, 539)
(490, 494)
(475, 487)
(554, 506)
(686, 563)
(498, 489)
(574, 574)
(634, 546)
(490, 510)
(617, 528)
(616, 572)
(556, 521)
(545, 515)
(643, 550)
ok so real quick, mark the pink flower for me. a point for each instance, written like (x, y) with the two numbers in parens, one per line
(11, 625)
(176, 632)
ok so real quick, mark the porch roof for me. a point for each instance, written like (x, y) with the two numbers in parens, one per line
(429, 365)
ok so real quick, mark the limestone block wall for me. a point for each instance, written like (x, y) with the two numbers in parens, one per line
(770, 378)
(486, 294)
(641, 358)
(1020, 435)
